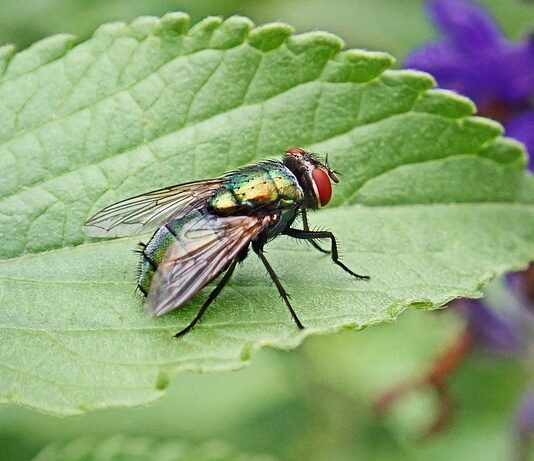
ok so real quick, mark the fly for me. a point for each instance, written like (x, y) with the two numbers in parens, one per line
(204, 228)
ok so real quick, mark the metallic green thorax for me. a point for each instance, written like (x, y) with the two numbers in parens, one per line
(262, 188)
(263, 185)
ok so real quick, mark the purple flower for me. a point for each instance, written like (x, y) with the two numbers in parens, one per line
(521, 127)
(507, 330)
(524, 418)
(474, 58)
(493, 331)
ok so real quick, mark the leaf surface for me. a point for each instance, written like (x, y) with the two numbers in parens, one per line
(432, 204)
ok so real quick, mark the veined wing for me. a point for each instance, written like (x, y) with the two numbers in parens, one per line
(204, 246)
(146, 212)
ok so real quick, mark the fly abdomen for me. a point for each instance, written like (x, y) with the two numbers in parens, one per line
(146, 274)
(153, 253)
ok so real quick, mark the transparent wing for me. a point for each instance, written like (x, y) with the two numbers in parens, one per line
(147, 212)
(203, 248)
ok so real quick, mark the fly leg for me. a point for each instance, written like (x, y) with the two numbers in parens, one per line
(210, 299)
(307, 228)
(311, 235)
(259, 251)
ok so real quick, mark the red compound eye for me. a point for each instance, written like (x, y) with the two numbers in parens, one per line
(295, 150)
(323, 184)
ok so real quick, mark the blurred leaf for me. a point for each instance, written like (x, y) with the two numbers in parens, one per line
(395, 26)
(447, 202)
(141, 449)
(315, 403)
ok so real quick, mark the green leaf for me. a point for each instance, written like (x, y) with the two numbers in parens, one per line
(432, 202)
(141, 449)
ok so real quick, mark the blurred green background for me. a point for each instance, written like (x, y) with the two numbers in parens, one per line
(317, 402)
(395, 26)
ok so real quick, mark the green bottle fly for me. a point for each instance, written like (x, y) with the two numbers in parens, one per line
(204, 228)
